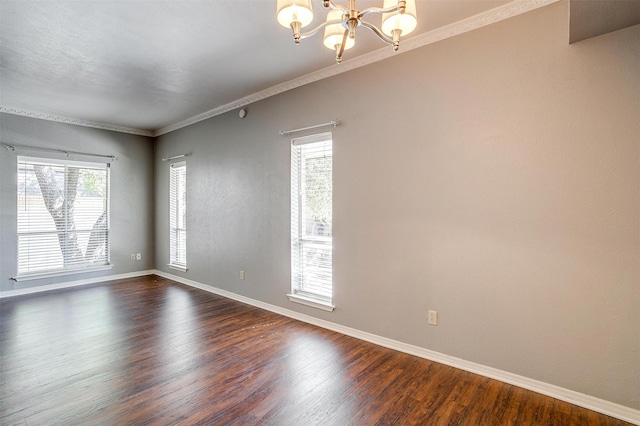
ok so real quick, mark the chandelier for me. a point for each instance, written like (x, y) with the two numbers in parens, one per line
(398, 19)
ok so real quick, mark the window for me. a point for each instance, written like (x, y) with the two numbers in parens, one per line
(63, 217)
(311, 221)
(178, 216)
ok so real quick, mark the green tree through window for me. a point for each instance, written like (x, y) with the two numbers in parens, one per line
(66, 201)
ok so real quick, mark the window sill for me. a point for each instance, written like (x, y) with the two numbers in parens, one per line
(37, 276)
(177, 267)
(314, 303)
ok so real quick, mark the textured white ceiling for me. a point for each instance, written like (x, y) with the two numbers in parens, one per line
(149, 64)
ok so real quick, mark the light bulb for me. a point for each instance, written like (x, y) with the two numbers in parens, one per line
(334, 33)
(290, 11)
(406, 22)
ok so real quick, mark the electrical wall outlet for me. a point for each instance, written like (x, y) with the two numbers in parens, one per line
(432, 318)
(132, 257)
(242, 275)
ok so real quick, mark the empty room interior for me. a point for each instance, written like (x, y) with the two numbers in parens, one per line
(168, 196)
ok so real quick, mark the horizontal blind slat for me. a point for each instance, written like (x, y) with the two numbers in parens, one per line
(177, 214)
(62, 215)
(311, 218)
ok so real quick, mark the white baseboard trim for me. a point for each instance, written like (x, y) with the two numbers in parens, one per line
(582, 400)
(76, 283)
(592, 403)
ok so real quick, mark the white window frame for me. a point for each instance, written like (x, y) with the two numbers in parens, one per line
(31, 224)
(177, 187)
(303, 147)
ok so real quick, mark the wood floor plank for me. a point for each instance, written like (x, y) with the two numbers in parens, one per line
(151, 351)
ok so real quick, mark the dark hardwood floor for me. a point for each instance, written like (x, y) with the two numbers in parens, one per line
(152, 351)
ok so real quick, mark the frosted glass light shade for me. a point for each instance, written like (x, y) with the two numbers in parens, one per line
(289, 11)
(406, 22)
(334, 33)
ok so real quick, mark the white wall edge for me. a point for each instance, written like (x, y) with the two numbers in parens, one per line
(76, 283)
(582, 400)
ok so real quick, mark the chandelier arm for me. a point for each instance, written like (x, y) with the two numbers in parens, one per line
(333, 5)
(319, 27)
(377, 32)
(391, 9)
(341, 49)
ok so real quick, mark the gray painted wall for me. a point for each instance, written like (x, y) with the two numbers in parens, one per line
(493, 177)
(132, 203)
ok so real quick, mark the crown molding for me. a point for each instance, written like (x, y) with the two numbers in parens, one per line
(492, 16)
(500, 13)
(74, 121)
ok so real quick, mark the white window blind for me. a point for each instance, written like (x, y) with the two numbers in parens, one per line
(63, 216)
(178, 215)
(311, 217)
